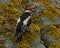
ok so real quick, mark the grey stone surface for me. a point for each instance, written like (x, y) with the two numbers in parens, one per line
(47, 21)
(55, 3)
(6, 42)
(37, 44)
(9, 44)
(47, 38)
(4, 1)
(2, 37)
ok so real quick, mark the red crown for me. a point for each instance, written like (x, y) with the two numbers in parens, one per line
(30, 8)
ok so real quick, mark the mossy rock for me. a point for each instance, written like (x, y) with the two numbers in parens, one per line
(54, 45)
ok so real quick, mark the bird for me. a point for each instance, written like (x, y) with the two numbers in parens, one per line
(23, 23)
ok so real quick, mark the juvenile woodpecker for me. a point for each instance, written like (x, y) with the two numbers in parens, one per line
(23, 23)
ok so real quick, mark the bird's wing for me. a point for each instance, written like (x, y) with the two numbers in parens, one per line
(25, 22)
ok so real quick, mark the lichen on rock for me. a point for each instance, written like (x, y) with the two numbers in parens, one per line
(44, 31)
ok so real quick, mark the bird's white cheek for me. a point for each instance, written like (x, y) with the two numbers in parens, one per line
(28, 11)
(26, 21)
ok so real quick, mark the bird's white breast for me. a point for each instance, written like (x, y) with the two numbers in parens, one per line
(26, 21)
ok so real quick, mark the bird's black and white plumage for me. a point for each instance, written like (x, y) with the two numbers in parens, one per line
(22, 24)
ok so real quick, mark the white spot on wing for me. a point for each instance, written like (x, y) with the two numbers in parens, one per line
(26, 21)
(18, 20)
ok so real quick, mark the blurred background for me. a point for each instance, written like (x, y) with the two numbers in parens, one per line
(44, 31)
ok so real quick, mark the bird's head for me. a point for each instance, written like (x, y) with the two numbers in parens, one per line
(29, 9)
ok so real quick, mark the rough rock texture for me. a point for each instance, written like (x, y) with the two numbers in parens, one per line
(44, 32)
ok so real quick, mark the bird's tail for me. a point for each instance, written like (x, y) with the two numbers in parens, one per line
(19, 37)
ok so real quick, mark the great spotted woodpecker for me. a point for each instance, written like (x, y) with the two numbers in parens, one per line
(23, 23)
